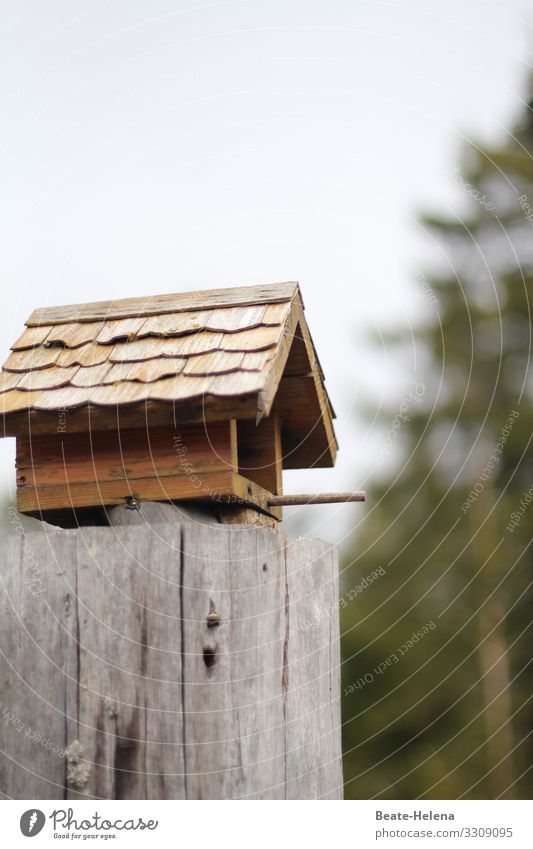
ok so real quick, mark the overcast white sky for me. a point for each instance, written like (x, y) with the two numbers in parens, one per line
(164, 146)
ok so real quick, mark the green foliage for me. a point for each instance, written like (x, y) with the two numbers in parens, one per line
(450, 717)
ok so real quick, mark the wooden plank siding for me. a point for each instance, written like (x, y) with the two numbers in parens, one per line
(106, 467)
(260, 457)
(100, 468)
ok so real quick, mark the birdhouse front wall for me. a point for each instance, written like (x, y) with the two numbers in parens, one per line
(225, 461)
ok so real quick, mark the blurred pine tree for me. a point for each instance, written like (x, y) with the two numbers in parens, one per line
(451, 529)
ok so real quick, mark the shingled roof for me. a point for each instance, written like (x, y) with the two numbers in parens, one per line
(214, 347)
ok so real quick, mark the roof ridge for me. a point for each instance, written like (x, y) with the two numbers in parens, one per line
(159, 304)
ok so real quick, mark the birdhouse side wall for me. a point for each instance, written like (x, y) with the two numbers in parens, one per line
(259, 452)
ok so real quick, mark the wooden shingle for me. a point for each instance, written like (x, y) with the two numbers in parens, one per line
(73, 335)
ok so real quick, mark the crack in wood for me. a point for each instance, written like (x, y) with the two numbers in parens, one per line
(182, 658)
(123, 674)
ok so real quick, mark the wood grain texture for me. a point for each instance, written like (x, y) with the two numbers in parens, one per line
(260, 457)
(256, 339)
(30, 359)
(316, 498)
(86, 355)
(90, 375)
(116, 663)
(218, 362)
(308, 436)
(31, 336)
(37, 590)
(8, 380)
(152, 347)
(158, 304)
(65, 470)
(175, 324)
(150, 413)
(125, 328)
(145, 371)
(13, 401)
(50, 378)
(313, 673)
(75, 333)
(232, 319)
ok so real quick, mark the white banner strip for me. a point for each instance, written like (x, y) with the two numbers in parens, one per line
(254, 825)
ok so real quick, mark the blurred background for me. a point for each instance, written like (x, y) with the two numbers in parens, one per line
(381, 154)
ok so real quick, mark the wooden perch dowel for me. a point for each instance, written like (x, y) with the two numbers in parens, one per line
(317, 498)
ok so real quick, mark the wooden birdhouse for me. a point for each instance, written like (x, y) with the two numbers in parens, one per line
(194, 396)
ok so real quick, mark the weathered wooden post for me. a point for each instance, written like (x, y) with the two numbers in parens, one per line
(180, 649)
